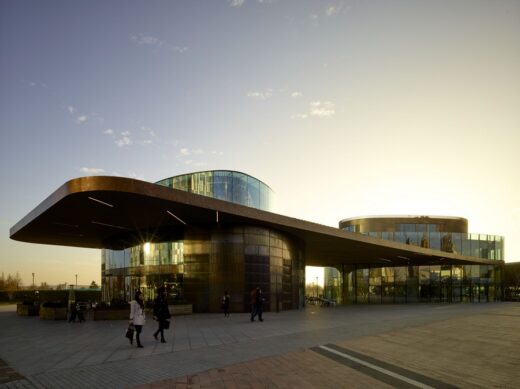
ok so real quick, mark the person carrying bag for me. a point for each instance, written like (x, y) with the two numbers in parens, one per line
(161, 313)
(137, 316)
(130, 333)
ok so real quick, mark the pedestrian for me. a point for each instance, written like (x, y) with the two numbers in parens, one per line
(73, 312)
(225, 303)
(137, 316)
(161, 313)
(257, 302)
(81, 317)
(253, 304)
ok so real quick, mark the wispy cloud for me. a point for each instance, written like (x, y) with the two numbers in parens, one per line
(152, 41)
(299, 116)
(91, 170)
(149, 133)
(333, 10)
(193, 157)
(123, 141)
(82, 119)
(124, 138)
(149, 40)
(240, 3)
(33, 84)
(296, 94)
(260, 95)
(236, 3)
(322, 109)
(185, 152)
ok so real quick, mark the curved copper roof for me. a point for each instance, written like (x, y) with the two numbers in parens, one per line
(116, 212)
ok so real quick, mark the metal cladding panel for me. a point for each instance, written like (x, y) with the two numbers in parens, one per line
(116, 213)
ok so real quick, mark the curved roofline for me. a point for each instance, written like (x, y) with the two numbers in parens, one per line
(403, 217)
(216, 170)
(117, 212)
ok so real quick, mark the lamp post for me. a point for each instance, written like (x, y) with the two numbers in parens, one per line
(33, 279)
(317, 288)
(76, 281)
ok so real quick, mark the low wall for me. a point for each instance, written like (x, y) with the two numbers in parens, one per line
(111, 314)
(27, 310)
(185, 309)
(48, 313)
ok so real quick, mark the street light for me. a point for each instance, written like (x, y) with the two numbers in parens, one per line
(317, 288)
(33, 279)
(76, 281)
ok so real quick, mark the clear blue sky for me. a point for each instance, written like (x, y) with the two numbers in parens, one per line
(345, 108)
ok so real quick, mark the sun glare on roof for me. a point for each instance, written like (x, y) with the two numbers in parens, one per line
(146, 248)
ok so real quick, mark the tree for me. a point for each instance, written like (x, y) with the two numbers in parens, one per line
(11, 283)
(93, 285)
(61, 286)
(44, 286)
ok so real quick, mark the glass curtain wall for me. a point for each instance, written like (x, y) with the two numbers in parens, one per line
(225, 185)
(199, 268)
(409, 284)
(474, 245)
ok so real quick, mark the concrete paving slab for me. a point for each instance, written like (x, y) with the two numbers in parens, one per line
(434, 340)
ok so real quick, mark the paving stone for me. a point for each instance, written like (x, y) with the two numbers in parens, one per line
(442, 341)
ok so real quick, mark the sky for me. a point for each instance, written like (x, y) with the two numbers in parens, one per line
(345, 108)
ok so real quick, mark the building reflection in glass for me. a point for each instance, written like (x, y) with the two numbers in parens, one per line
(199, 268)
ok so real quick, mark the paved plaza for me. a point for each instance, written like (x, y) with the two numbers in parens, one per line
(415, 345)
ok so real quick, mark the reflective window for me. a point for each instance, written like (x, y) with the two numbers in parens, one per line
(225, 185)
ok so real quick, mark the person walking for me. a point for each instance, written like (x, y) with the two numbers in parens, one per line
(257, 302)
(137, 316)
(161, 313)
(79, 311)
(225, 303)
(73, 312)
(253, 304)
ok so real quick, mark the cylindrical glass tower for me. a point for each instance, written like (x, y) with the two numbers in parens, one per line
(205, 263)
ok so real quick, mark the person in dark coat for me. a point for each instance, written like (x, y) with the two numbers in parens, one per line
(73, 312)
(161, 313)
(225, 303)
(79, 311)
(257, 300)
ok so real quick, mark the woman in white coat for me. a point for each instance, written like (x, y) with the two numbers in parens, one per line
(137, 317)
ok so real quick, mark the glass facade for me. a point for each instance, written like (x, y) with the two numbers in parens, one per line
(199, 268)
(208, 263)
(413, 284)
(434, 236)
(447, 283)
(472, 245)
(225, 185)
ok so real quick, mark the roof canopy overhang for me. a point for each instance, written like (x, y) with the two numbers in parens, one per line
(116, 213)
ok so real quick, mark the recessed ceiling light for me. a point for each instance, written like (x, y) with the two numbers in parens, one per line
(101, 202)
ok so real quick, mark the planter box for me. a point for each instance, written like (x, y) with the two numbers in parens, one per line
(111, 314)
(27, 310)
(185, 309)
(53, 313)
